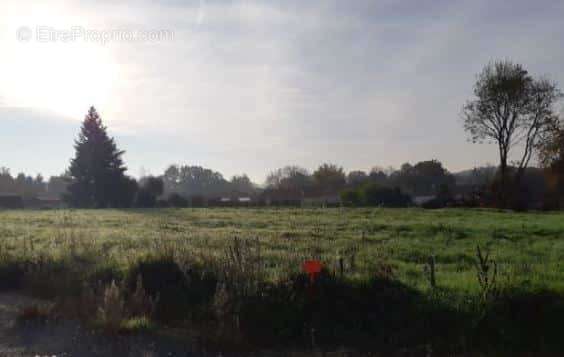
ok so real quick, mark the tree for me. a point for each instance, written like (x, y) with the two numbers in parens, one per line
(356, 178)
(57, 185)
(512, 109)
(550, 150)
(551, 156)
(378, 175)
(290, 178)
(150, 189)
(242, 184)
(97, 171)
(372, 194)
(194, 180)
(329, 178)
(154, 185)
(423, 178)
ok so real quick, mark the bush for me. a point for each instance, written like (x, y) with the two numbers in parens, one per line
(165, 282)
(435, 203)
(145, 199)
(176, 293)
(197, 201)
(163, 204)
(351, 197)
(333, 311)
(11, 274)
(176, 200)
(372, 194)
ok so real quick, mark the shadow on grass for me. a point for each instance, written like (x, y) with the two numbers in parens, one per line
(293, 313)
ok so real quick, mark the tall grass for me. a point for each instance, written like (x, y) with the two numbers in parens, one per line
(392, 278)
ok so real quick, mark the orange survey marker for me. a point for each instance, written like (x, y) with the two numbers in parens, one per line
(312, 268)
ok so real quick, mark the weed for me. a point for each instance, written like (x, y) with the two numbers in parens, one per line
(111, 312)
(486, 273)
(430, 272)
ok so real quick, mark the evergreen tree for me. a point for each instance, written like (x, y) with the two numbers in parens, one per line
(97, 171)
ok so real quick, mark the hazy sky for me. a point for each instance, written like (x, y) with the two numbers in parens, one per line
(249, 86)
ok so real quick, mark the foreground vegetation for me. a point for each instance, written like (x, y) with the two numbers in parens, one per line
(444, 280)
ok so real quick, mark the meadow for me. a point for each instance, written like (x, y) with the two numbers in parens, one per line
(477, 279)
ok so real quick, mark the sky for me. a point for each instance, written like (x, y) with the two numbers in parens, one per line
(247, 86)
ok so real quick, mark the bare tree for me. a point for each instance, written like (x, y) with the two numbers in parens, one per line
(511, 109)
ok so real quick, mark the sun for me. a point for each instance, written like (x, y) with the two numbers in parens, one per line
(61, 77)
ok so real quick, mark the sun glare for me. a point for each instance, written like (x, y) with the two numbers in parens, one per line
(61, 77)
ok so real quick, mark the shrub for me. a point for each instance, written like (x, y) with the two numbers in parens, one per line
(165, 282)
(112, 309)
(372, 194)
(11, 274)
(176, 200)
(174, 292)
(351, 197)
(145, 199)
(376, 195)
(435, 203)
(197, 201)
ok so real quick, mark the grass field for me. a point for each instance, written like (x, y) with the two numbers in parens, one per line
(431, 252)
(529, 247)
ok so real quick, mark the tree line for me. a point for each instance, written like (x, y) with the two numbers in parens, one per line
(510, 108)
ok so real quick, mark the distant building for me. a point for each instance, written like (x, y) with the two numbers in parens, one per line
(235, 199)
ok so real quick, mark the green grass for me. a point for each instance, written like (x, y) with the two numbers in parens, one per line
(65, 249)
(529, 247)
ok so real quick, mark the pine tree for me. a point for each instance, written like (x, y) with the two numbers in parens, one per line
(97, 171)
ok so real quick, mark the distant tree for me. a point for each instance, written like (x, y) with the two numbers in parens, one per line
(379, 176)
(477, 177)
(550, 150)
(511, 109)
(242, 184)
(551, 155)
(355, 178)
(329, 178)
(351, 197)
(290, 178)
(171, 179)
(423, 178)
(39, 185)
(125, 191)
(57, 186)
(150, 189)
(97, 171)
(375, 195)
(6, 180)
(154, 185)
(145, 199)
(194, 180)
(23, 185)
(372, 194)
